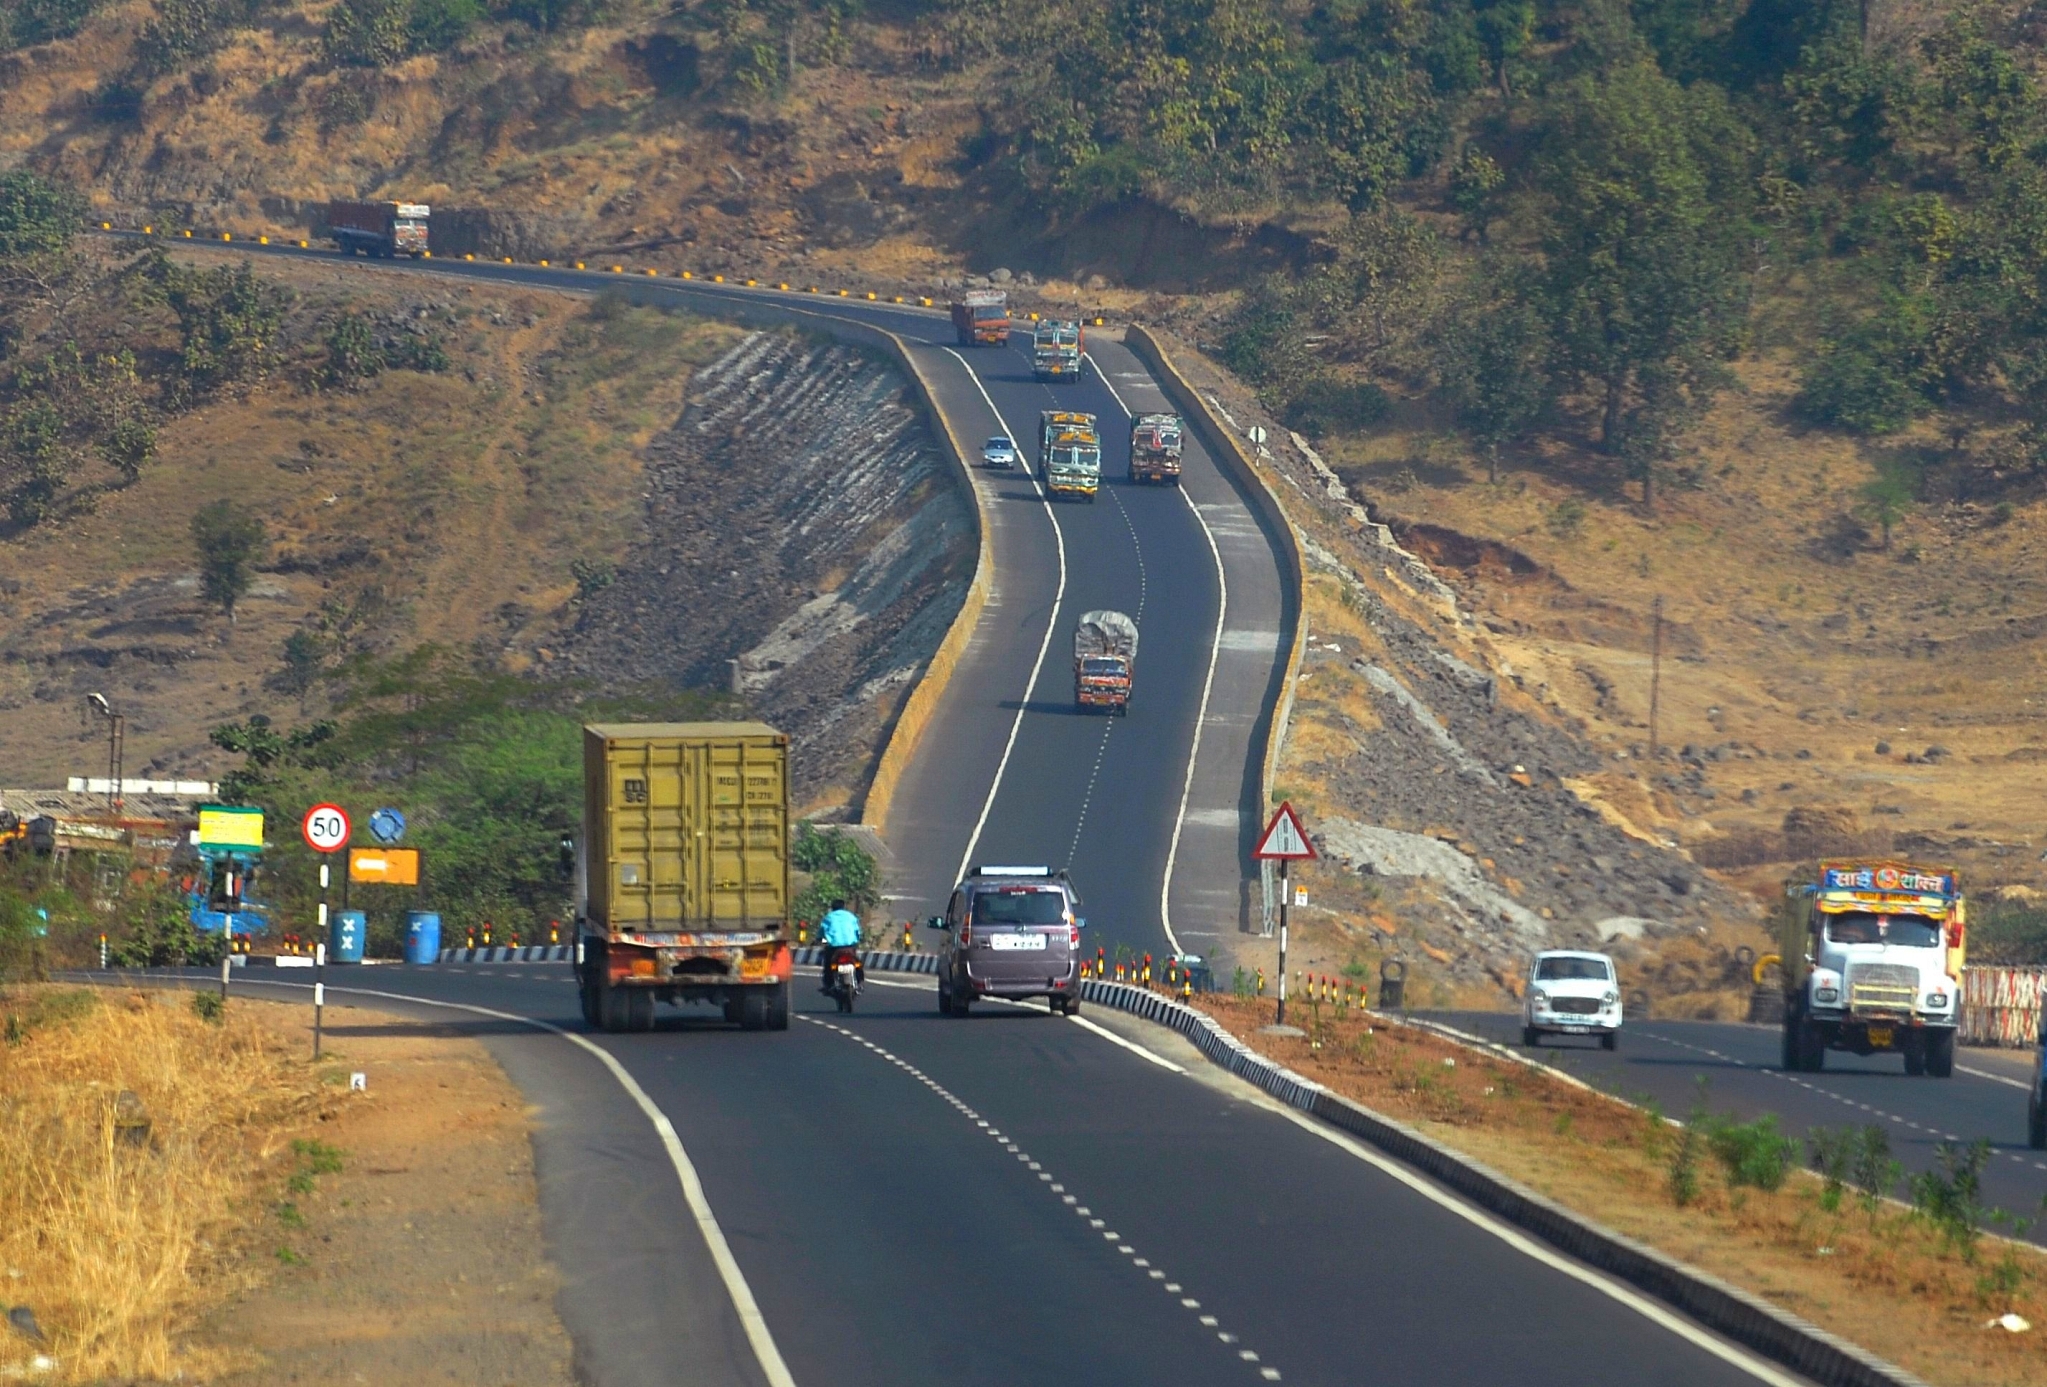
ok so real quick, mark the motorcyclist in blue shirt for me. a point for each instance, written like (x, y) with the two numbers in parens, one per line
(840, 929)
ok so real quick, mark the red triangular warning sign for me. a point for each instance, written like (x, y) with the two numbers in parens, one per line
(1284, 840)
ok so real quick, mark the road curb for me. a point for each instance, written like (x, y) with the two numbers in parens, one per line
(917, 709)
(1265, 503)
(1745, 1318)
(506, 953)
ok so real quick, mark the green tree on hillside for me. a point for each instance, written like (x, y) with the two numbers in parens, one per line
(37, 218)
(1493, 353)
(230, 540)
(229, 321)
(1645, 235)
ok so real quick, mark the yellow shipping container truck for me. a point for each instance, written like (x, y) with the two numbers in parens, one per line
(683, 872)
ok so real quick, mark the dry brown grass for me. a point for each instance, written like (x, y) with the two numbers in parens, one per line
(117, 1246)
(1884, 1280)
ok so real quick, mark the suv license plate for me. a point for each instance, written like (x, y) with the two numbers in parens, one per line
(1881, 1037)
(1575, 1030)
(1017, 943)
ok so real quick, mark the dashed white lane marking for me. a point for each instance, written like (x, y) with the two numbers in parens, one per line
(1842, 1099)
(1124, 1248)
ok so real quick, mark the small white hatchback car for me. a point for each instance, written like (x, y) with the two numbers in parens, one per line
(1572, 993)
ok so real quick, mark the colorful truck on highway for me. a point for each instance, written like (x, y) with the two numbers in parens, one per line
(1155, 447)
(1104, 661)
(1069, 453)
(683, 872)
(1055, 350)
(383, 229)
(1873, 953)
(980, 318)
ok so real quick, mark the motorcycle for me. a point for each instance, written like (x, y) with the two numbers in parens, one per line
(845, 973)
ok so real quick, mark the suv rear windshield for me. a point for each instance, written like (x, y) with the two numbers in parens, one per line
(1866, 927)
(1565, 969)
(1032, 905)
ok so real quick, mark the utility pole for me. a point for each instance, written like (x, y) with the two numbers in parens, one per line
(96, 705)
(1655, 674)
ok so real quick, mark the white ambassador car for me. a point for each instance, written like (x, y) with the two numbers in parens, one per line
(1572, 993)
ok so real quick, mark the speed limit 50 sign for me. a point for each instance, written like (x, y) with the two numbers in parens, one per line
(326, 828)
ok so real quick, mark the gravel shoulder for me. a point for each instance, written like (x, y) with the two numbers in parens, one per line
(421, 1258)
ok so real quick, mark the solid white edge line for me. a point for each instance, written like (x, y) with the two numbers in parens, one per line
(1052, 625)
(1995, 1078)
(1222, 610)
(1105, 1033)
(1641, 1305)
(743, 1304)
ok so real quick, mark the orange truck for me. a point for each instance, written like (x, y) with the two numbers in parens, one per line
(1104, 661)
(980, 318)
(683, 872)
(383, 229)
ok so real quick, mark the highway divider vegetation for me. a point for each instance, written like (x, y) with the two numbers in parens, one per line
(1818, 1228)
(138, 1130)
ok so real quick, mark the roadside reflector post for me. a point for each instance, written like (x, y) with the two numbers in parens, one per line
(103, 953)
(225, 959)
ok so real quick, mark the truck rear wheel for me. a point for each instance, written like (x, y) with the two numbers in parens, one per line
(1940, 1054)
(614, 1008)
(778, 1008)
(753, 1011)
(1914, 1051)
(2036, 1121)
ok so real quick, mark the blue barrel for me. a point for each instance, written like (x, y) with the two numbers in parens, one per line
(345, 935)
(422, 936)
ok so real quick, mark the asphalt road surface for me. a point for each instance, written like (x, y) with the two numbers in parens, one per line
(1664, 1061)
(1012, 1198)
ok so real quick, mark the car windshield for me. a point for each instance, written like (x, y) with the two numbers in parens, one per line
(1867, 927)
(1572, 969)
(1026, 905)
(999, 445)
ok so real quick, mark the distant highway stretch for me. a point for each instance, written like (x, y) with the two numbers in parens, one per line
(1663, 1061)
(1008, 770)
(1012, 1198)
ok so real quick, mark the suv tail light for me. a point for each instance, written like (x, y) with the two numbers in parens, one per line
(966, 935)
(1072, 937)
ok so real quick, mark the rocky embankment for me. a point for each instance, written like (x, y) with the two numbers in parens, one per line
(1474, 821)
(805, 544)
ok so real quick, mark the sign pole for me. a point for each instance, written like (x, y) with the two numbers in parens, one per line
(320, 962)
(1285, 900)
(1284, 841)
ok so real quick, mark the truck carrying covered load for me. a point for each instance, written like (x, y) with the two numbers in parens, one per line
(1069, 453)
(378, 228)
(980, 318)
(1104, 660)
(1872, 955)
(1155, 446)
(1055, 350)
(684, 872)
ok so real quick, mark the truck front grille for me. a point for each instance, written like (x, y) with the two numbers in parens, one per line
(1882, 987)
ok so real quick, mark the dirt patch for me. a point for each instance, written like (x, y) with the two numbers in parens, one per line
(445, 507)
(822, 577)
(1613, 1163)
(420, 1259)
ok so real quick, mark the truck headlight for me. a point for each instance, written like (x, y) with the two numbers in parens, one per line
(1936, 1001)
(1826, 994)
